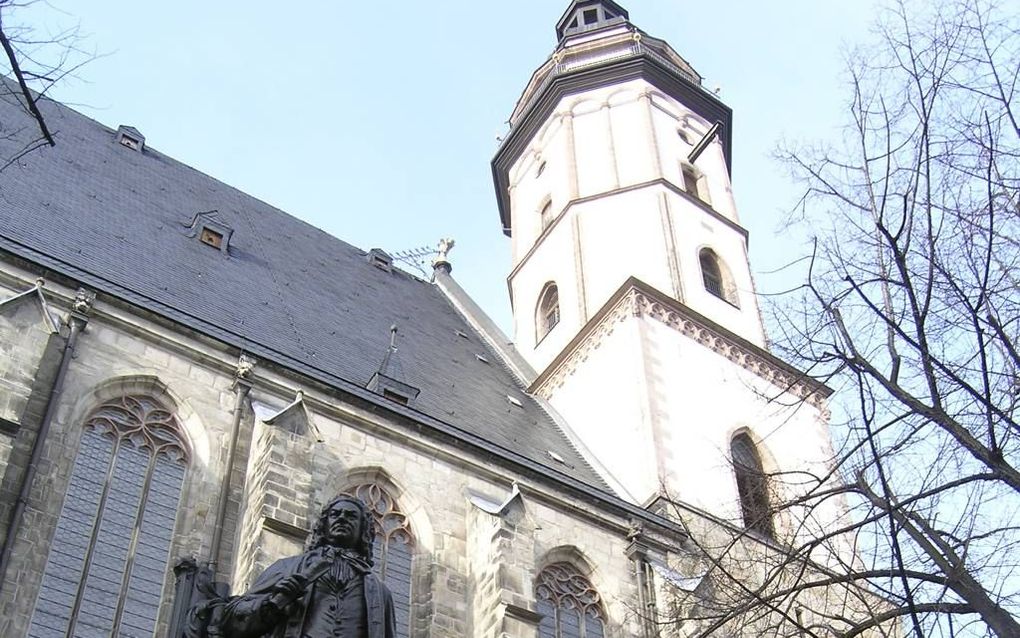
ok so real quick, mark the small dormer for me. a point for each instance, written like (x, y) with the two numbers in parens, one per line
(588, 15)
(130, 137)
(380, 259)
(210, 230)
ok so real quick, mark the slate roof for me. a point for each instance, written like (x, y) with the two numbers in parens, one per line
(118, 220)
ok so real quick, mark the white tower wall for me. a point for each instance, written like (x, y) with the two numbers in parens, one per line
(609, 163)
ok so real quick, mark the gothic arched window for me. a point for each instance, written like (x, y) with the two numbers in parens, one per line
(548, 310)
(752, 485)
(570, 606)
(716, 276)
(394, 548)
(108, 559)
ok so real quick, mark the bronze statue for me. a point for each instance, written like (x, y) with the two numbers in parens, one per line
(328, 591)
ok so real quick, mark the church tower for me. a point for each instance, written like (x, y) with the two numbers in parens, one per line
(632, 294)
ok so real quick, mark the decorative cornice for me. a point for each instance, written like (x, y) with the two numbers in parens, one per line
(637, 299)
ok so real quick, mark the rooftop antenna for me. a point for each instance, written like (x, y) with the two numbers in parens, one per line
(419, 259)
(426, 258)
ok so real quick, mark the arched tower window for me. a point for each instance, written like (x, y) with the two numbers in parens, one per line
(548, 310)
(716, 276)
(570, 606)
(108, 559)
(546, 215)
(752, 485)
(394, 548)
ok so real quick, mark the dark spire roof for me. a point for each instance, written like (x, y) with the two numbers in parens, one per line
(588, 15)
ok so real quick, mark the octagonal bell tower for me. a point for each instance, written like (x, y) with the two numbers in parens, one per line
(631, 290)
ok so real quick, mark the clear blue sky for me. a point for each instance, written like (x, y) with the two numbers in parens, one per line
(376, 121)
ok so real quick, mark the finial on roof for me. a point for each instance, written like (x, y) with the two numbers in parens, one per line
(441, 262)
(40, 282)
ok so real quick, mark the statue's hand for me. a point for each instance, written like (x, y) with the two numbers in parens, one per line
(285, 592)
(291, 587)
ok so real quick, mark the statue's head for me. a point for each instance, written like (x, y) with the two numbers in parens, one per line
(345, 522)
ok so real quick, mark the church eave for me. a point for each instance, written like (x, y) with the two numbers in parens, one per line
(637, 298)
(641, 66)
(73, 276)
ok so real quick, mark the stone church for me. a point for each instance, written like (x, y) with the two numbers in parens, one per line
(188, 374)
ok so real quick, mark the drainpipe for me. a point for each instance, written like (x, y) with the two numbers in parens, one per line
(242, 385)
(77, 320)
(637, 552)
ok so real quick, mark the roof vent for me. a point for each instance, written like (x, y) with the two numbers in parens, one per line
(130, 137)
(380, 259)
(514, 401)
(481, 357)
(209, 229)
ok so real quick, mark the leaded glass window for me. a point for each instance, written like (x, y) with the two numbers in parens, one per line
(108, 559)
(393, 550)
(570, 606)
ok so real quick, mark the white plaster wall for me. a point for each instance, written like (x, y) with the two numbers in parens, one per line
(606, 402)
(613, 160)
(695, 229)
(553, 260)
(701, 399)
(659, 409)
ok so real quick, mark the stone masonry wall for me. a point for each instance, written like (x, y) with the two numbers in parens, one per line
(29, 356)
(283, 477)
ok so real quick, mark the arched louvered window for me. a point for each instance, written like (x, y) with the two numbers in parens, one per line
(548, 310)
(716, 276)
(570, 606)
(752, 485)
(108, 559)
(394, 548)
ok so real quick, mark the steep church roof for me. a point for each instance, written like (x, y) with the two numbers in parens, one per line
(133, 223)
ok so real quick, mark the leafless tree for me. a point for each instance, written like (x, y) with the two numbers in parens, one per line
(32, 62)
(910, 311)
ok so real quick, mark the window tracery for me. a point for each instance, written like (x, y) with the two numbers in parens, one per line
(569, 604)
(394, 547)
(108, 558)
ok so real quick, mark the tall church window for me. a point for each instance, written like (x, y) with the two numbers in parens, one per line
(393, 549)
(548, 310)
(569, 605)
(752, 485)
(716, 276)
(108, 559)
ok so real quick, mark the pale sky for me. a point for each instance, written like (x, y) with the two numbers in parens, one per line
(377, 121)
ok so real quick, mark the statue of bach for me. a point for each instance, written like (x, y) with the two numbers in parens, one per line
(329, 591)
